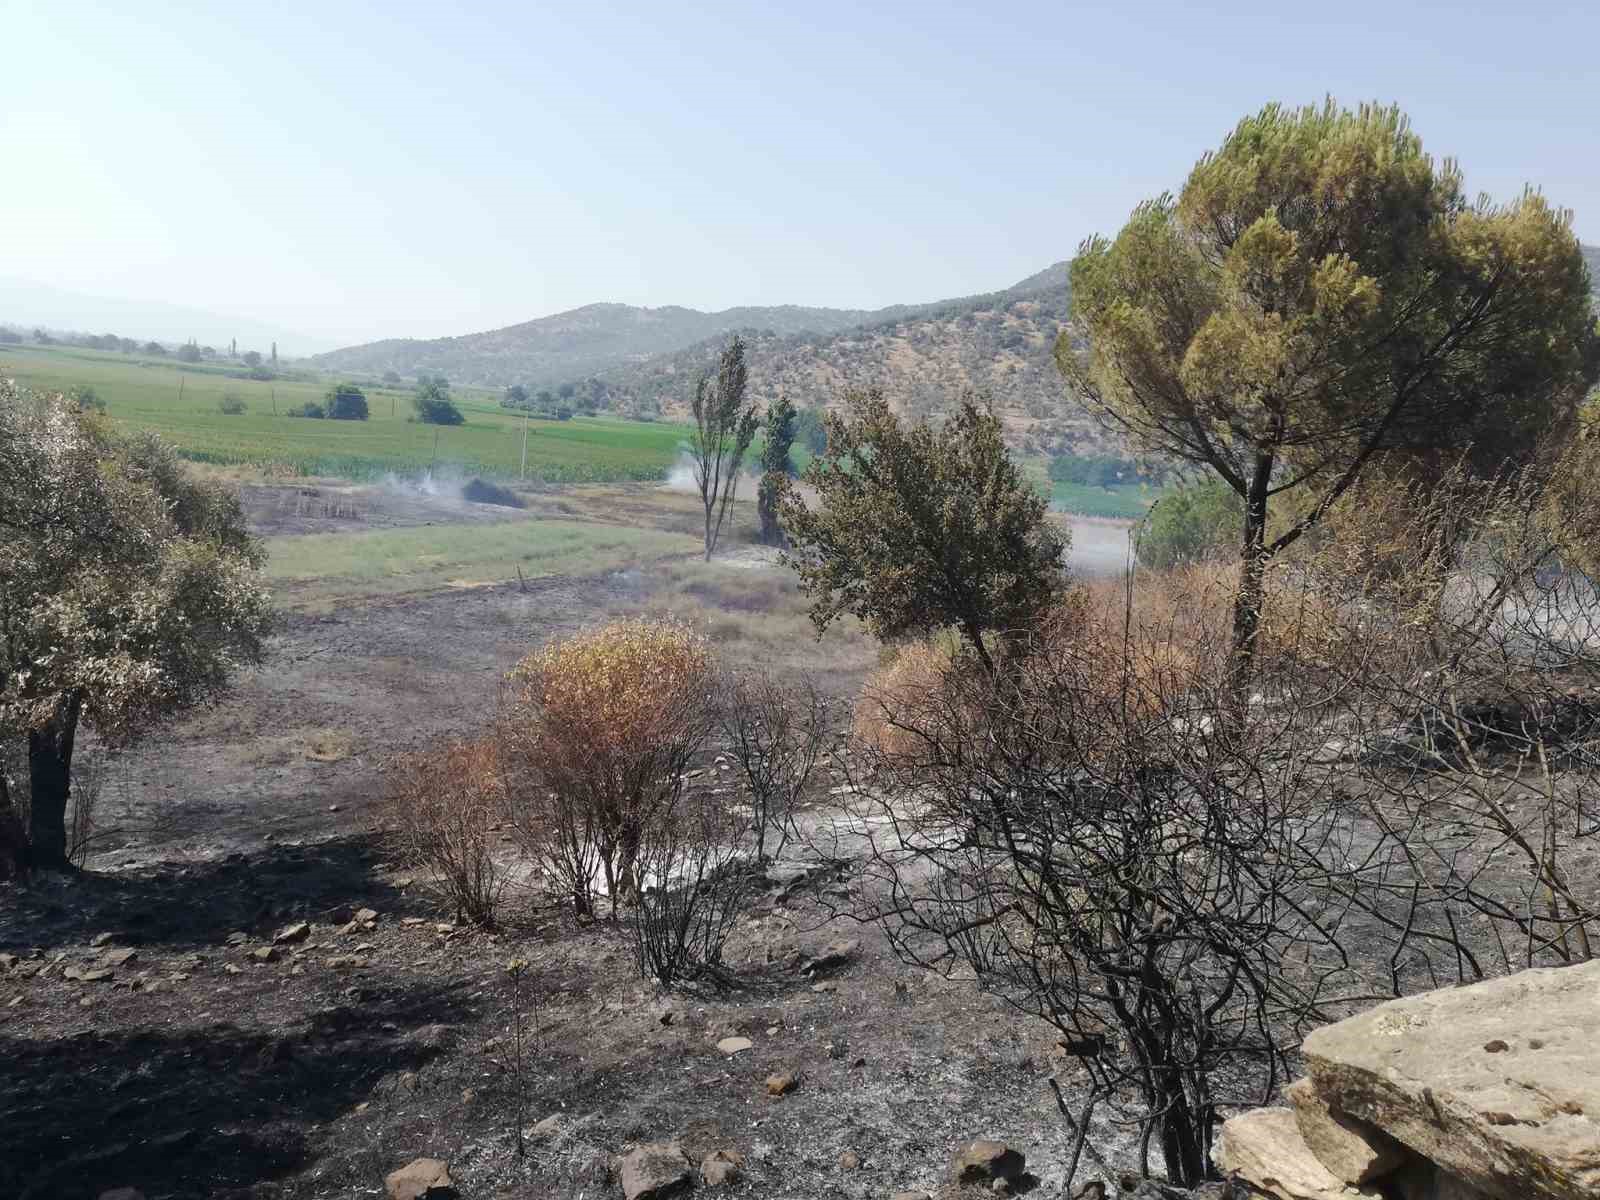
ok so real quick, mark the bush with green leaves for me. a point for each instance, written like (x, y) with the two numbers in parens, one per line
(311, 408)
(231, 405)
(347, 402)
(433, 404)
(1190, 524)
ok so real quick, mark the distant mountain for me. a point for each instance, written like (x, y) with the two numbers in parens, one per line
(25, 305)
(579, 343)
(999, 344)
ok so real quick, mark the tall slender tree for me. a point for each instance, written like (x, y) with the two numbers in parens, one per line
(724, 427)
(777, 467)
(1319, 296)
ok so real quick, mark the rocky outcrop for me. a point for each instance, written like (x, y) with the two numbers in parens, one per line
(1488, 1092)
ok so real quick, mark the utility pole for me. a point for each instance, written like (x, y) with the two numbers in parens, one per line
(274, 399)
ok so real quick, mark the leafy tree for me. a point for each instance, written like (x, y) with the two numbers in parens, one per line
(1318, 295)
(311, 408)
(432, 402)
(154, 348)
(391, 378)
(724, 427)
(347, 402)
(43, 338)
(921, 529)
(274, 354)
(128, 591)
(232, 405)
(516, 397)
(777, 467)
(810, 430)
(1190, 524)
(189, 352)
(251, 358)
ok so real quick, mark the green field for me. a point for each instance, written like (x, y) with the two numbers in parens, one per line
(315, 571)
(1126, 502)
(180, 402)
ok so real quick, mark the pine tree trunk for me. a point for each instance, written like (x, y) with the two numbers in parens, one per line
(50, 784)
(1248, 600)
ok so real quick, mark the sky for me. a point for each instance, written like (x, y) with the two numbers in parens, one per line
(355, 171)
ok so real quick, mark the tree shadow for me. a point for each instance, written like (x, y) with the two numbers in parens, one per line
(194, 904)
(202, 1111)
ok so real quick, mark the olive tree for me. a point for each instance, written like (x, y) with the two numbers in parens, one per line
(128, 592)
(1321, 294)
(920, 528)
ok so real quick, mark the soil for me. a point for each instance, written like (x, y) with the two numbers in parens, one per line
(209, 1063)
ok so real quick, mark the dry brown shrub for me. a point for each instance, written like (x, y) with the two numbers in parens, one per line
(595, 733)
(893, 701)
(447, 804)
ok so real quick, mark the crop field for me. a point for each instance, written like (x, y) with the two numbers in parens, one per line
(181, 403)
(314, 572)
(1125, 502)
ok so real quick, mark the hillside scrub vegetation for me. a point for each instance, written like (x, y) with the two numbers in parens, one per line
(1320, 294)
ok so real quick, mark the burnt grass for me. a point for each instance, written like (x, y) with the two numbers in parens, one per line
(197, 1070)
(194, 1069)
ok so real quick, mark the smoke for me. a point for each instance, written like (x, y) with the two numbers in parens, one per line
(425, 484)
(681, 477)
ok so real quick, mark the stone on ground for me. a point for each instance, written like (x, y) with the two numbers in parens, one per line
(421, 1179)
(655, 1171)
(1351, 1149)
(298, 932)
(1497, 1083)
(721, 1167)
(1264, 1148)
(985, 1160)
(734, 1045)
(780, 1083)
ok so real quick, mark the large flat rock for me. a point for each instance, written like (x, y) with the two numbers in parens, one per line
(1497, 1083)
(1264, 1148)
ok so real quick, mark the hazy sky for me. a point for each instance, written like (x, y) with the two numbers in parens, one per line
(355, 171)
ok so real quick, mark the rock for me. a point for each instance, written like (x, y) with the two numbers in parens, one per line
(232, 969)
(118, 958)
(734, 1045)
(824, 988)
(421, 1179)
(92, 975)
(1264, 1148)
(655, 1171)
(238, 939)
(264, 954)
(343, 962)
(721, 1167)
(912, 1196)
(366, 915)
(849, 1160)
(548, 1128)
(7, 961)
(1423, 1181)
(781, 1083)
(985, 1160)
(834, 956)
(1351, 1149)
(1516, 1122)
(102, 939)
(122, 1193)
(299, 932)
